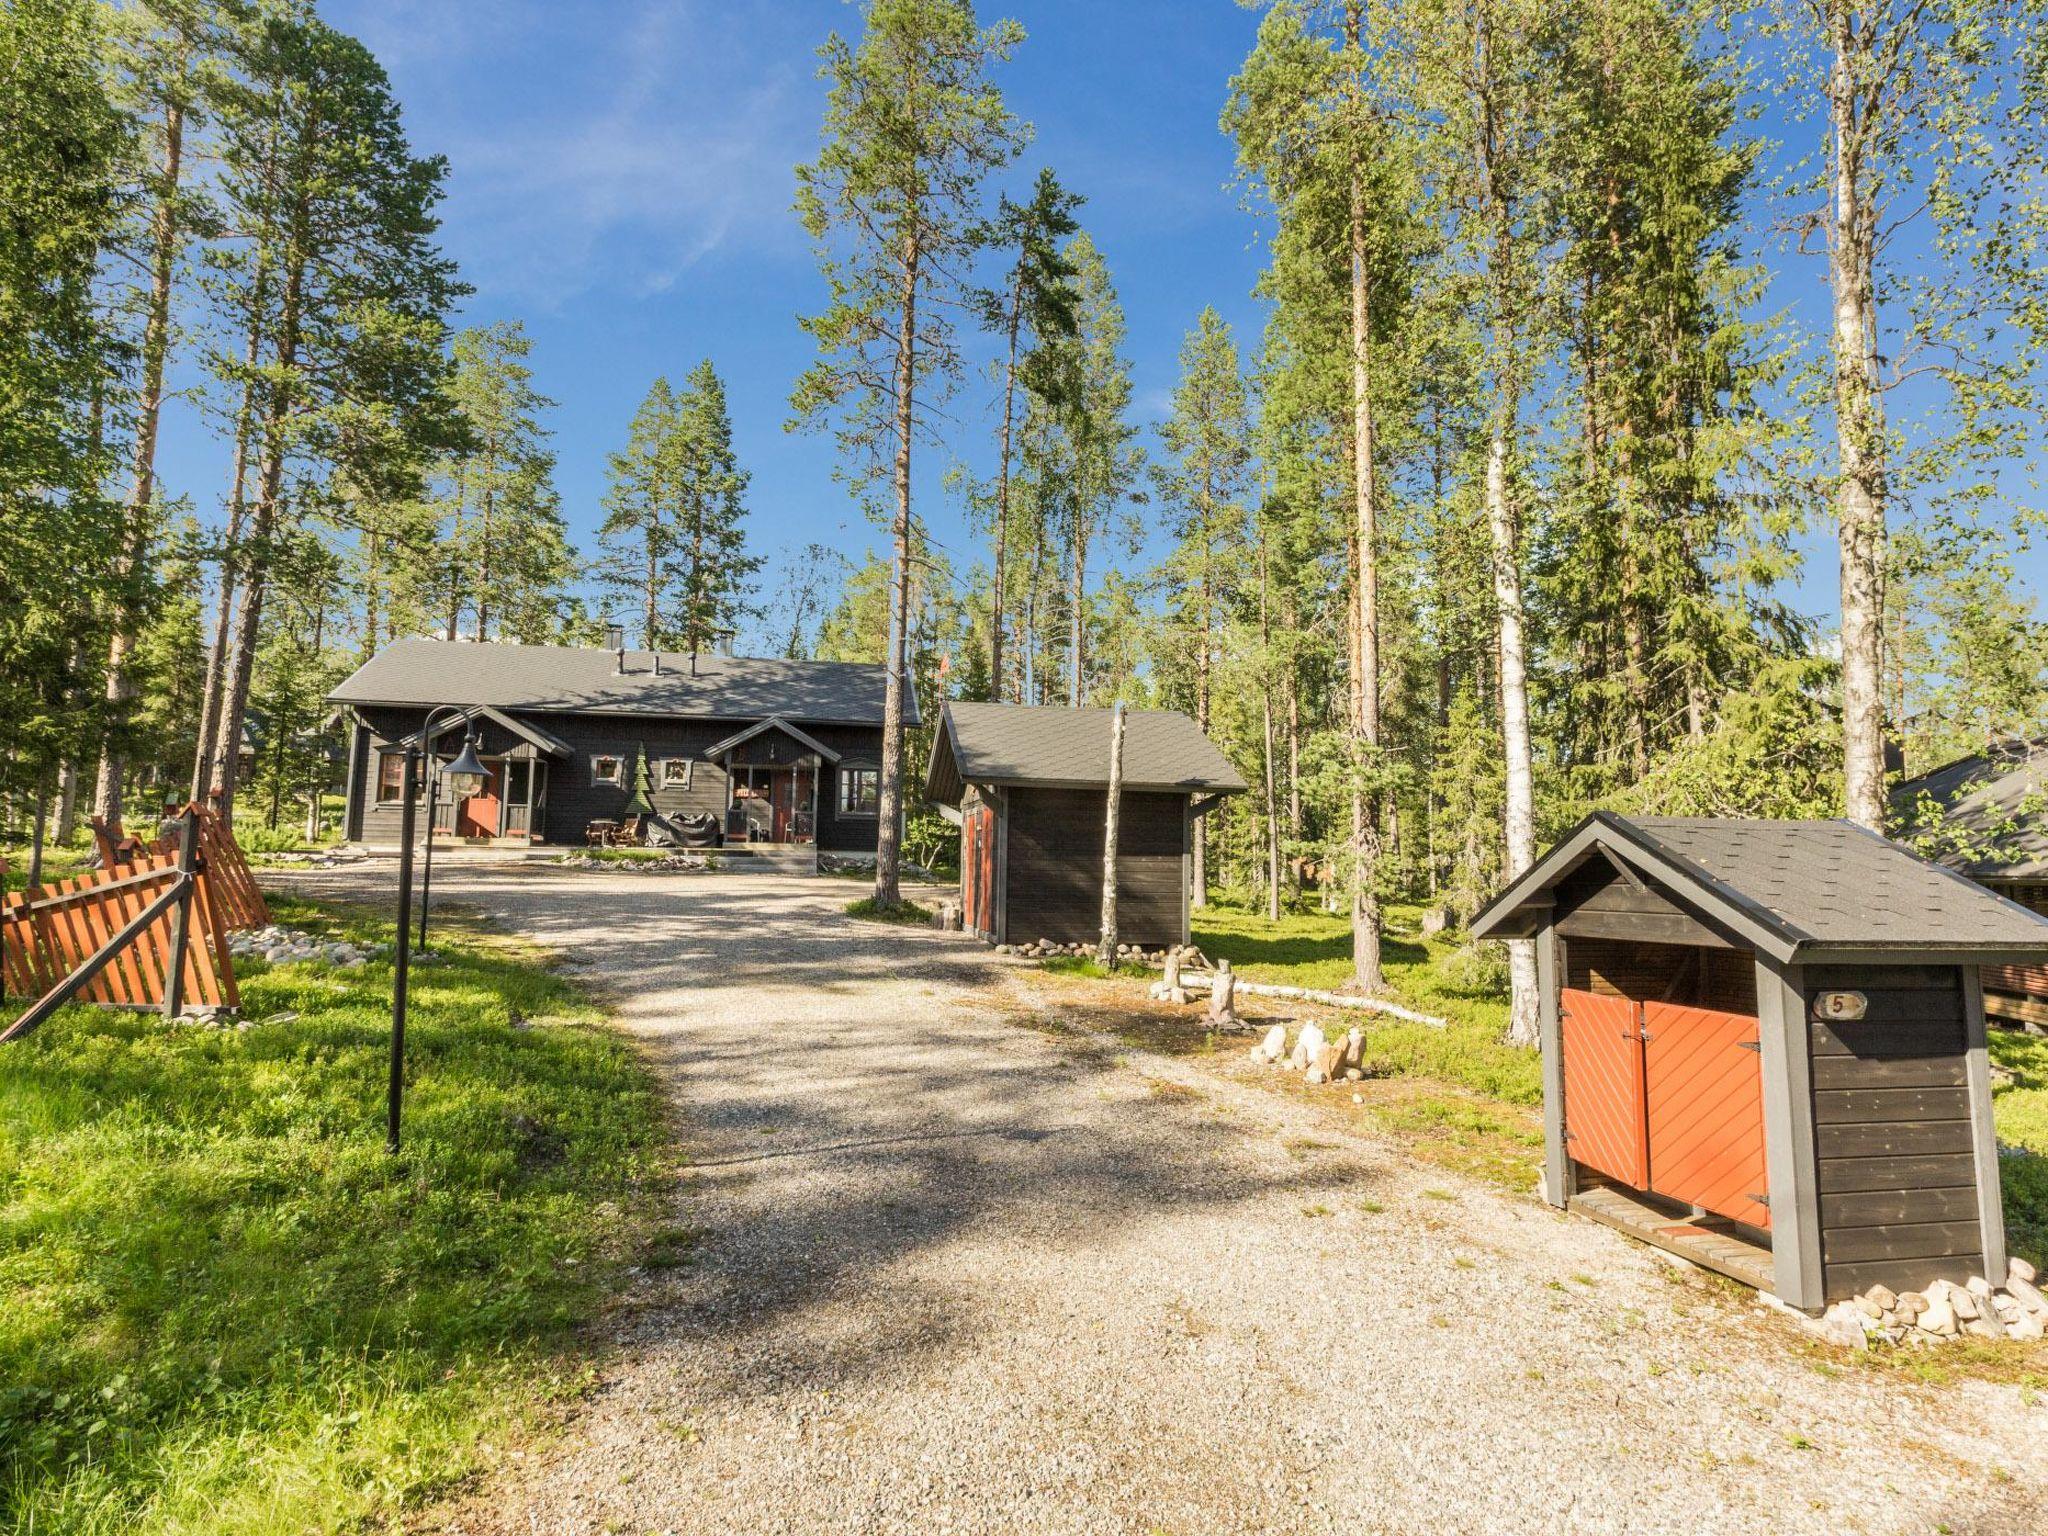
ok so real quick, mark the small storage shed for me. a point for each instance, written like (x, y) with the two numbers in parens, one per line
(1029, 787)
(1764, 1047)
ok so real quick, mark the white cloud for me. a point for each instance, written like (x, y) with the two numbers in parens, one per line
(594, 150)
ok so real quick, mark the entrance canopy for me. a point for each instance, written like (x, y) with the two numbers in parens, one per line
(719, 750)
(1796, 891)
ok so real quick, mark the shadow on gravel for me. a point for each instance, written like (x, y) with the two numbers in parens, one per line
(843, 1139)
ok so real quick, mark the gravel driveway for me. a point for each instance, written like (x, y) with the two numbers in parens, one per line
(960, 1274)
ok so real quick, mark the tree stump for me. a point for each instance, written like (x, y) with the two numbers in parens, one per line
(1223, 998)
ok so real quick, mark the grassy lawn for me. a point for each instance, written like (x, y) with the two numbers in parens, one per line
(906, 912)
(228, 1310)
(1437, 976)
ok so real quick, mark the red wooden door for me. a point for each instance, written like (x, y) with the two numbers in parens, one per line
(1704, 1100)
(977, 870)
(1603, 1085)
(478, 816)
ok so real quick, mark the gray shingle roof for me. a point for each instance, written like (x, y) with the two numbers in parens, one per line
(571, 680)
(1987, 814)
(1792, 887)
(1053, 745)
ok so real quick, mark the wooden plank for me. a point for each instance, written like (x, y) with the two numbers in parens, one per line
(1922, 1039)
(1888, 1072)
(1894, 1207)
(1845, 1280)
(2019, 1010)
(1653, 927)
(1849, 1106)
(1883, 1007)
(1883, 1140)
(1830, 978)
(1843, 1175)
(1914, 1240)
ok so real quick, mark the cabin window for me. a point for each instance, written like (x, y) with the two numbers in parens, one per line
(675, 773)
(390, 777)
(605, 769)
(860, 791)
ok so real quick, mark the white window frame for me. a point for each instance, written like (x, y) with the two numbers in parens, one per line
(845, 780)
(618, 774)
(669, 780)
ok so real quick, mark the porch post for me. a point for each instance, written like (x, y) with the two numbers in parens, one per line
(1785, 1046)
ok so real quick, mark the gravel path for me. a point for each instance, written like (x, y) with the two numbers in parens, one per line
(958, 1274)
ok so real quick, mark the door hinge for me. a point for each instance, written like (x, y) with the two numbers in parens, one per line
(1763, 1200)
(1750, 1045)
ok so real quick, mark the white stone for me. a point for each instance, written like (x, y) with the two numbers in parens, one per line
(2027, 1325)
(1275, 1042)
(1939, 1318)
(1306, 1047)
(1978, 1286)
(2021, 1269)
(1885, 1298)
(2027, 1294)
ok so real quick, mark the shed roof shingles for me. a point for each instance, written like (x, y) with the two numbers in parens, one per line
(1833, 883)
(572, 680)
(1047, 744)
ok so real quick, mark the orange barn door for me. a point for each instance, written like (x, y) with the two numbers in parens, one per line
(1603, 1085)
(1704, 1092)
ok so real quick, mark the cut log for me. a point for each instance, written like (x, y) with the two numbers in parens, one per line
(1202, 983)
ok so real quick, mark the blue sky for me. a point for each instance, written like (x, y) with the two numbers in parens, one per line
(621, 176)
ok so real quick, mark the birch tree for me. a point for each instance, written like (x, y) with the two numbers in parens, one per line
(913, 126)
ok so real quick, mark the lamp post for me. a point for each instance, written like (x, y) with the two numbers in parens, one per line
(465, 776)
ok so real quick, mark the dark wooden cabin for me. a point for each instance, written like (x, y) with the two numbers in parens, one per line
(784, 756)
(1987, 816)
(1764, 1047)
(1029, 787)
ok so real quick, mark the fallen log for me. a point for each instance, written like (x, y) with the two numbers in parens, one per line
(1195, 982)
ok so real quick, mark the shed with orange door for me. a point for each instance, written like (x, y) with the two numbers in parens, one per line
(1764, 1047)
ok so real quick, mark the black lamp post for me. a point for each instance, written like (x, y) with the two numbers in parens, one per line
(465, 776)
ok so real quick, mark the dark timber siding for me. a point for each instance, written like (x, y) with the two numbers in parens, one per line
(573, 800)
(1594, 901)
(1892, 1130)
(1694, 976)
(1054, 878)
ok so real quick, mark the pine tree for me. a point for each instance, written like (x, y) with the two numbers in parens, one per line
(507, 549)
(1203, 480)
(913, 125)
(1035, 305)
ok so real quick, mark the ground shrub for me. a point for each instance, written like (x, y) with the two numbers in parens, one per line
(229, 1310)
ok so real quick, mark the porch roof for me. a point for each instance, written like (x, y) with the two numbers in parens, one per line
(772, 723)
(525, 730)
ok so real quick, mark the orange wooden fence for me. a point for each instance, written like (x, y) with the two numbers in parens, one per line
(237, 898)
(50, 934)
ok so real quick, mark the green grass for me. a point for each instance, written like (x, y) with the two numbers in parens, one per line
(2020, 1107)
(904, 912)
(229, 1310)
(1434, 976)
(59, 863)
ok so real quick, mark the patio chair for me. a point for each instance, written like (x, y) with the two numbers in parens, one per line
(598, 834)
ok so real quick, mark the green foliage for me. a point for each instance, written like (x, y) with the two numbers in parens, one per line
(674, 532)
(230, 1309)
(2020, 1106)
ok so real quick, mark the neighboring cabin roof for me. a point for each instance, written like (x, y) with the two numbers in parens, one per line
(1791, 889)
(1988, 813)
(1051, 746)
(563, 679)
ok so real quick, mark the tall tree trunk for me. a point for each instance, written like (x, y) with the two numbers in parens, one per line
(1105, 948)
(1520, 818)
(888, 842)
(269, 495)
(1266, 716)
(1077, 630)
(67, 801)
(214, 689)
(1199, 894)
(1860, 491)
(1002, 529)
(156, 346)
(1366, 973)
(651, 584)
